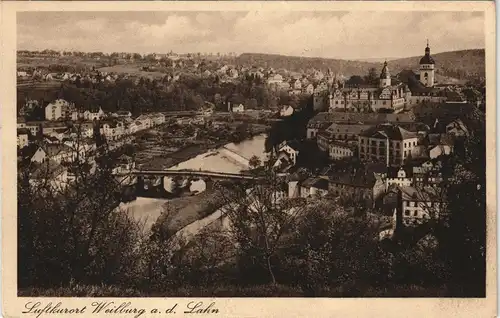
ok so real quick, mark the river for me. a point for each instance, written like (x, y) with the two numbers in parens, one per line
(147, 210)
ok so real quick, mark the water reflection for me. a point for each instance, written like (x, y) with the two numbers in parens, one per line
(215, 160)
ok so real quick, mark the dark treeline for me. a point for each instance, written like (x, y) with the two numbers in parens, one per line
(292, 127)
(146, 95)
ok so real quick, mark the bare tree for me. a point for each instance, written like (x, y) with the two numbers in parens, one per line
(69, 214)
(260, 216)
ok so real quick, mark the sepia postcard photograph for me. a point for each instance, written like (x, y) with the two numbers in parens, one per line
(248, 159)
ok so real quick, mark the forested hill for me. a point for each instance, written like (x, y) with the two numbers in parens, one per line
(458, 64)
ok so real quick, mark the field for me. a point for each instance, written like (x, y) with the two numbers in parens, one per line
(131, 69)
(28, 62)
(102, 65)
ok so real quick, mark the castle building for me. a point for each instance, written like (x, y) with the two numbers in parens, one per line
(366, 98)
(427, 68)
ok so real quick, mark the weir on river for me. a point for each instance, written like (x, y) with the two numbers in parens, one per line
(231, 158)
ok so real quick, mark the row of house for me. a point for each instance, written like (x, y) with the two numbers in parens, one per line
(61, 109)
(418, 194)
(113, 127)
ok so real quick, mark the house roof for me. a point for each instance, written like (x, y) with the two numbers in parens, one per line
(283, 154)
(415, 127)
(392, 132)
(124, 157)
(54, 149)
(419, 89)
(376, 167)
(319, 183)
(123, 112)
(294, 144)
(48, 169)
(142, 117)
(29, 151)
(357, 178)
(458, 124)
(23, 131)
(339, 128)
(454, 96)
(53, 124)
(441, 139)
(61, 130)
(471, 93)
(422, 194)
(362, 118)
(51, 138)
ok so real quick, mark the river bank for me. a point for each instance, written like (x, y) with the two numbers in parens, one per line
(189, 152)
(186, 210)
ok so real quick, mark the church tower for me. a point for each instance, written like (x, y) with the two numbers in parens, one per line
(385, 77)
(427, 68)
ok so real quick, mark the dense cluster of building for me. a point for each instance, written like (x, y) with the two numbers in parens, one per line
(396, 162)
(51, 145)
(399, 159)
(390, 93)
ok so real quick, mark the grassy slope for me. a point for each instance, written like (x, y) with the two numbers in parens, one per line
(186, 210)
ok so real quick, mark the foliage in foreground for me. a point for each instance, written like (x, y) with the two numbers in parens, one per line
(73, 245)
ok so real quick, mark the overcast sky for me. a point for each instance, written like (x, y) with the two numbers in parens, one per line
(346, 35)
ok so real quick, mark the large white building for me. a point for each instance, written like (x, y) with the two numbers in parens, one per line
(58, 109)
(387, 143)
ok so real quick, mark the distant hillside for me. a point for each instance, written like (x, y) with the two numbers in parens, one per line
(456, 64)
